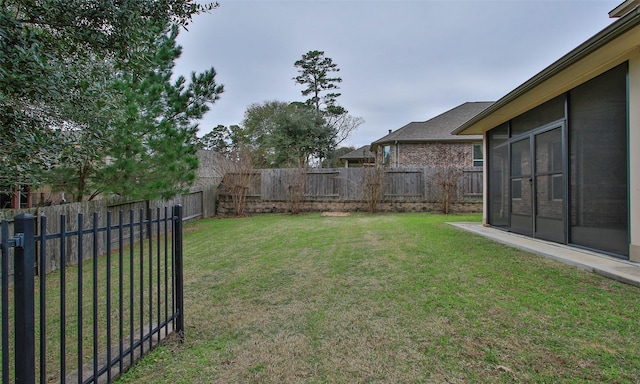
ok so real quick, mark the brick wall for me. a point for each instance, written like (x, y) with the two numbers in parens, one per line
(428, 155)
(257, 206)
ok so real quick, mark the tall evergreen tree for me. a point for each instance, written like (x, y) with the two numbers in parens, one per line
(314, 72)
(152, 153)
(141, 143)
(45, 48)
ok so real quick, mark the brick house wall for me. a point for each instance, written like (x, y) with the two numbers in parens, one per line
(435, 154)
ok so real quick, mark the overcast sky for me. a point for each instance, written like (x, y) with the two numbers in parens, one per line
(400, 61)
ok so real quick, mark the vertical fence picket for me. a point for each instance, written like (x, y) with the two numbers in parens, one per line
(141, 282)
(166, 285)
(131, 286)
(94, 258)
(63, 298)
(150, 251)
(158, 249)
(120, 293)
(5, 301)
(42, 275)
(80, 295)
(108, 296)
(173, 266)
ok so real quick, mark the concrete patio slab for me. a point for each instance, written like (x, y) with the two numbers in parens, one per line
(608, 266)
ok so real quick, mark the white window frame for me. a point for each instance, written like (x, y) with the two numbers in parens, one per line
(477, 162)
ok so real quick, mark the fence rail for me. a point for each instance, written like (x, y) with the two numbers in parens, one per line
(346, 184)
(199, 202)
(93, 319)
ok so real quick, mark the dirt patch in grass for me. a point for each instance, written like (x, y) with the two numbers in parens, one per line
(336, 214)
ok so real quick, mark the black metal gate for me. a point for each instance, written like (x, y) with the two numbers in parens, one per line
(89, 321)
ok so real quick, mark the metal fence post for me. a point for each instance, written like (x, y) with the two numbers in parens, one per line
(179, 287)
(4, 254)
(25, 299)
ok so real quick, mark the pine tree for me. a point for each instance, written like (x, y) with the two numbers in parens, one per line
(46, 50)
(314, 72)
(152, 153)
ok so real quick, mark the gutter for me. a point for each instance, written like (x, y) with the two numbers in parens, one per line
(397, 154)
(458, 139)
(602, 38)
(624, 8)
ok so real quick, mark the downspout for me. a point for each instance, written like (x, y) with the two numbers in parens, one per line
(397, 154)
(485, 180)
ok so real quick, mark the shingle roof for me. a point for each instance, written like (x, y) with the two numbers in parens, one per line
(438, 128)
(362, 153)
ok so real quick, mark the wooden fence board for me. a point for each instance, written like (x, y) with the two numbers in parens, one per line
(322, 184)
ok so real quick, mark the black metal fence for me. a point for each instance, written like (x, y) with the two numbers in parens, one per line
(197, 203)
(89, 322)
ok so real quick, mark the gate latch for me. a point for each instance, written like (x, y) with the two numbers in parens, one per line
(17, 240)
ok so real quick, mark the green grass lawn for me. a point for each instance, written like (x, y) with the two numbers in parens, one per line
(397, 298)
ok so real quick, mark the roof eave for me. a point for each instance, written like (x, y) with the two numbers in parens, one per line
(607, 35)
(624, 8)
(460, 139)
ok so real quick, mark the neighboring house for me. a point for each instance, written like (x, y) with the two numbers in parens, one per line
(15, 197)
(25, 196)
(431, 144)
(360, 157)
(563, 149)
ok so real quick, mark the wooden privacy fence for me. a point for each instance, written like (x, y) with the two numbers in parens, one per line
(347, 184)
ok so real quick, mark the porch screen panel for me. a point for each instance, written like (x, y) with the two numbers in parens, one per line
(549, 178)
(598, 163)
(546, 113)
(521, 220)
(498, 158)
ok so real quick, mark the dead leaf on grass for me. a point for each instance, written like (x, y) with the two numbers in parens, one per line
(503, 368)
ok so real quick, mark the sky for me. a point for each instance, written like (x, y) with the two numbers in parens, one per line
(400, 61)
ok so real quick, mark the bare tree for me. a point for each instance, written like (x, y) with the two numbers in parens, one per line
(373, 184)
(447, 179)
(296, 186)
(451, 161)
(343, 125)
(238, 174)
